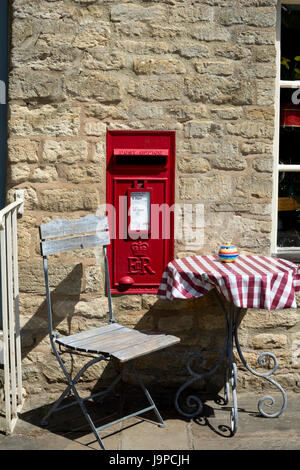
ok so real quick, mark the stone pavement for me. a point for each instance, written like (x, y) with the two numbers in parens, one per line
(209, 432)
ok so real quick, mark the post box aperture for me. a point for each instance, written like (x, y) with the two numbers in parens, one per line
(140, 208)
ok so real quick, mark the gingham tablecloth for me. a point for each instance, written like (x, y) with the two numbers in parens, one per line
(252, 281)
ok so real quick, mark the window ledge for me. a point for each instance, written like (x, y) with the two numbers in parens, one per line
(293, 256)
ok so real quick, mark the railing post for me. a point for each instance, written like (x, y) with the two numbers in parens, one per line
(13, 392)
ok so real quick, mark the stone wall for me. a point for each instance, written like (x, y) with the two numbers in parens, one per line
(205, 69)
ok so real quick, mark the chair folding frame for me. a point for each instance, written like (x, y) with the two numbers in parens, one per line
(51, 244)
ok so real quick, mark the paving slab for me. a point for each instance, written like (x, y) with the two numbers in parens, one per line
(67, 430)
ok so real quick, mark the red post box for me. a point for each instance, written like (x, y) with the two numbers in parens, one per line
(140, 208)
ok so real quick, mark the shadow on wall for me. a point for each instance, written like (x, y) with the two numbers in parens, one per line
(198, 322)
(201, 327)
(36, 329)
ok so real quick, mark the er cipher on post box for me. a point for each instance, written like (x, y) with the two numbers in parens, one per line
(140, 199)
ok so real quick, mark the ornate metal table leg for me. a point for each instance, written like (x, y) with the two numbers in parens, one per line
(193, 402)
(262, 361)
(232, 370)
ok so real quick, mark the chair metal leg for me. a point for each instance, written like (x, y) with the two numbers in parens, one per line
(55, 406)
(154, 407)
(80, 401)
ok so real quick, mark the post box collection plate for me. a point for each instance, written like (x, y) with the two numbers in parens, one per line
(140, 208)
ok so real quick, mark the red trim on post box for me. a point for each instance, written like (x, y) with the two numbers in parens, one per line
(138, 258)
(145, 152)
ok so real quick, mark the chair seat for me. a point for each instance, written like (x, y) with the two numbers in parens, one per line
(115, 340)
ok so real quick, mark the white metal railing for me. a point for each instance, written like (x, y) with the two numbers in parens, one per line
(10, 361)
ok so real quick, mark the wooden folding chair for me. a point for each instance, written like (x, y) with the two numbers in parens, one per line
(112, 341)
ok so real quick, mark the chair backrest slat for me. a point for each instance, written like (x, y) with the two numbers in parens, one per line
(65, 235)
(51, 247)
(60, 228)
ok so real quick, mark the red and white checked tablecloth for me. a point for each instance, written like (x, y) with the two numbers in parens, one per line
(252, 281)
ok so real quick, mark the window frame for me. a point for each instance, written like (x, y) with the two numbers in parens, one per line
(291, 253)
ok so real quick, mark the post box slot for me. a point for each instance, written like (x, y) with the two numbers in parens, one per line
(141, 156)
(140, 160)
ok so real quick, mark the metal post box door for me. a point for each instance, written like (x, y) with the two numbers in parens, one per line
(140, 195)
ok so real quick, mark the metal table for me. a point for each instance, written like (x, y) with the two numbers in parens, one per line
(252, 281)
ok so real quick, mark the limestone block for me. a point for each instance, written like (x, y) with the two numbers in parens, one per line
(264, 53)
(45, 58)
(195, 13)
(81, 173)
(231, 50)
(263, 17)
(147, 112)
(132, 29)
(91, 35)
(100, 59)
(176, 323)
(18, 173)
(228, 162)
(268, 340)
(64, 278)
(265, 92)
(56, 33)
(127, 302)
(256, 318)
(92, 308)
(218, 90)
(94, 279)
(61, 119)
(102, 111)
(263, 165)
(255, 186)
(166, 31)
(260, 113)
(24, 244)
(204, 146)
(44, 174)
(135, 319)
(27, 84)
(98, 154)
(131, 12)
(295, 348)
(60, 200)
(193, 164)
(255, 148)
(157, 89)
(158, 66)
(93, 86)
(208, 33)
(24, 9)
(95, 128)
(65, 151)
(182, 112)
(198, 129)
(214, 68)
(194, 50)
(22, 31)
(22, 150)
(251, 130)
(206, 188)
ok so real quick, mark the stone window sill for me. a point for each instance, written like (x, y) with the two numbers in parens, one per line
(293, 256)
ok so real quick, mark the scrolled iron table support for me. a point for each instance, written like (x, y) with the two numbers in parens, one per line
(265, 376)
(195, 404)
